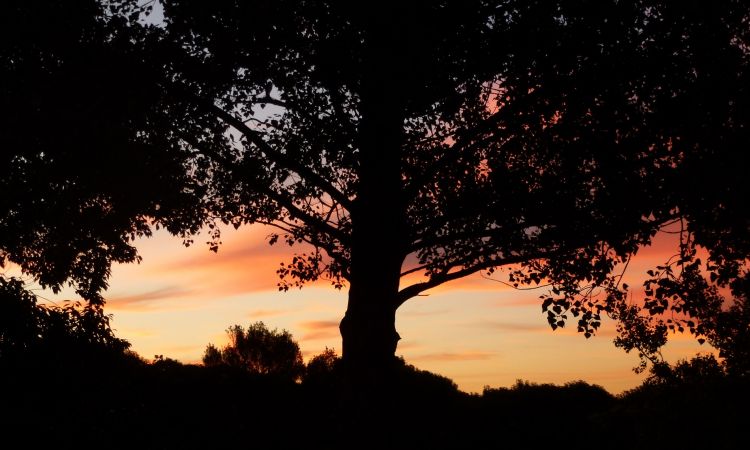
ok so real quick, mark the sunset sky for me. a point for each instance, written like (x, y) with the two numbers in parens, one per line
(476, 331)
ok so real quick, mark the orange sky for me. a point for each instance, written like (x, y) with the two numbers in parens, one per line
(476, 331)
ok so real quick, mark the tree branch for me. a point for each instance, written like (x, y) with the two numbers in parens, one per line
(276, 156)
(269, 101)
(413, 269)
(416, 289)
(471, 141)
(280, 158)
(293, 229)
(311, 220)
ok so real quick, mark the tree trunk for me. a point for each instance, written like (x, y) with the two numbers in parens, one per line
(378, 217)
(368, 329)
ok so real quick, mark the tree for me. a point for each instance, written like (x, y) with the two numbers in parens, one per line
(692, 296)
(447, 139)
(394, 138)
(258, 350)
(323, 364)
(80, 174)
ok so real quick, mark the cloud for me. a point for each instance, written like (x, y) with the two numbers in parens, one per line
(243, 249)
(145, 300)
(320, 335)
(515, 326)
(411, 313)
(450, 357)
(408, 345)
(315, 325)
(136, 333)
(260, 313)
(319, 329)
(521, 301)
(238, 267)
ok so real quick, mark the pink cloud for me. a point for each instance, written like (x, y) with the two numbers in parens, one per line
(408, 345)
(146, 299)
(315, 325)
(319, 329)
(450, 357)
(320, 335)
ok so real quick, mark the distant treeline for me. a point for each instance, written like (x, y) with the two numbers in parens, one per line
(98, 394)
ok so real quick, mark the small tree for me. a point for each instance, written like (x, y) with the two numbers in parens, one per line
(321, 368)
(258, 350)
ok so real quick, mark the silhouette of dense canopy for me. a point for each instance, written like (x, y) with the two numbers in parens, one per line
(258, 350)
(442, 138)
(81, 175)
(448, 138)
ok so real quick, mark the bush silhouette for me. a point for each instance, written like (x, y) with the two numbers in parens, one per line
(258, 350)
(322, 366)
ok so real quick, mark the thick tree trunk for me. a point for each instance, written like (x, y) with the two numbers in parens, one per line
(378, 216)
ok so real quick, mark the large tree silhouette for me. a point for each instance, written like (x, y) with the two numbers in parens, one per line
(396, 138)
(448, 139)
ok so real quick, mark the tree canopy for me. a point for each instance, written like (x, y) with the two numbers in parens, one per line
(396, 138)
(258, 350)
(448, 139)
(80, 173)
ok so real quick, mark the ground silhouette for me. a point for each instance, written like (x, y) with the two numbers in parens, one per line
(124, 401)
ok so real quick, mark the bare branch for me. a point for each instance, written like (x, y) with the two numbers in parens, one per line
(310, 220)
(287, 203)
(267, 100)
(280, 158)
(416, 289)
(412, 270)
(273, 154)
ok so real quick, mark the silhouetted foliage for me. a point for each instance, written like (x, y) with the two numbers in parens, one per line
(449, 138)
(524, 398)
(443, 138)
(693, 298)
(258, 350)
(52, 334)
(321, 368)
(699, 369)
(693, 404)
(80, 173)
